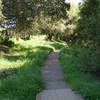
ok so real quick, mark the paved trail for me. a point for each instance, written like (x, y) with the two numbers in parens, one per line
(56, 88)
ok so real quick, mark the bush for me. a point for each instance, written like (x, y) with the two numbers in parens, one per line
(89, 58)
(80, 81)
(8, 43)
(5, 39)
(88, 30)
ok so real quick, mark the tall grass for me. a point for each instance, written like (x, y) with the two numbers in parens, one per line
(20, 70)
(80, 81)
(27, 81)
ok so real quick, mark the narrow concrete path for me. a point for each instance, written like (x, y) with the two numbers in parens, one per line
(56, 88)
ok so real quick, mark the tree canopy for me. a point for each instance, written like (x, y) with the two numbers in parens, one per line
(24, 11)
(88, 25)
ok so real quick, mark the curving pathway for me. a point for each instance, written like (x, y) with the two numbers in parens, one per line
(55, 86)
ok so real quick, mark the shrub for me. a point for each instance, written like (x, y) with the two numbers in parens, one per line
(89, 57)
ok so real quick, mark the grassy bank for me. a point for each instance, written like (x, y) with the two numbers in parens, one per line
(86, 84)
(20, 69)
(24, 81)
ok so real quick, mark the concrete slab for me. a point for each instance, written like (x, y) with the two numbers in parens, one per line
(58, 94)
(55, 85)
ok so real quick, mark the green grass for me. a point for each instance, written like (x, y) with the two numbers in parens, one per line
(38, 40)
(20, 70)
(27, 81)
(57, 45)
(82, 82)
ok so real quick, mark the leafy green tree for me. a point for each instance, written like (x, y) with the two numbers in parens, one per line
(88, 26)
(25, 11)
(88, 35)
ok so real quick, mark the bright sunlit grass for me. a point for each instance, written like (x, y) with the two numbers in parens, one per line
(23, 81)
(20, 70)
(33, 42)
(6, 64)
(22, 46)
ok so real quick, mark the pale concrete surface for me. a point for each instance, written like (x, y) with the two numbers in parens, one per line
(59, 94)
(55, 86)
(52, 73)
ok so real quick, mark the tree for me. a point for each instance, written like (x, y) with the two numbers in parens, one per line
(88, 25)
(25, 11)
(1, 15)
(88, 33)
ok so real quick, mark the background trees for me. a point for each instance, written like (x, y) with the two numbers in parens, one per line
(26, 12)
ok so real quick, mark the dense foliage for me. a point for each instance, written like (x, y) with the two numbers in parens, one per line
(26, 14)
(85, 83)
(25, 10)
(88, 32)
(88, 26)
